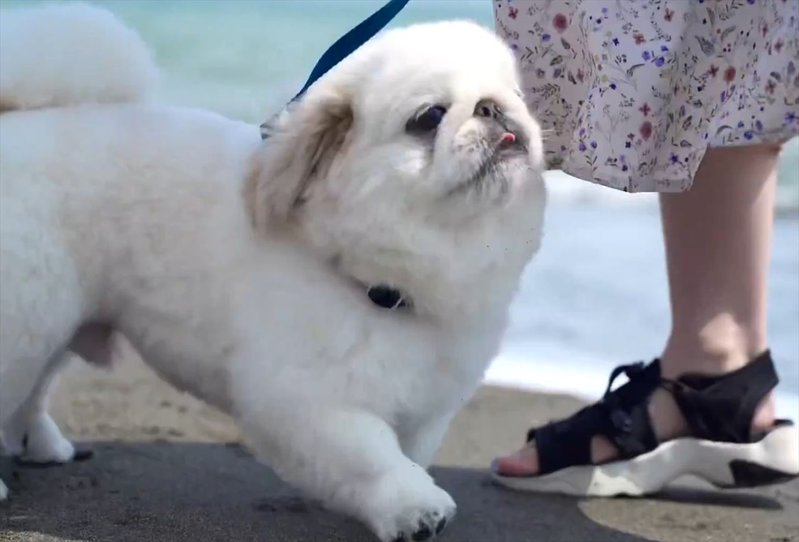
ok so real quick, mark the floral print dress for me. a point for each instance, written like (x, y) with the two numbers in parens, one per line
(631, 93)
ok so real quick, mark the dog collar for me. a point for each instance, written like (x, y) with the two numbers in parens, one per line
(387, 298)
(381, 295)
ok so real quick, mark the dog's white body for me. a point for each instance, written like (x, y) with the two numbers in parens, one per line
(238, 271)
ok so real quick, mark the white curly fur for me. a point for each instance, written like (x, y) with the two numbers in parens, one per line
(45, 62)
(237, 267)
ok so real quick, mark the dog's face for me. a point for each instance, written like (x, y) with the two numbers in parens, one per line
(420, 134)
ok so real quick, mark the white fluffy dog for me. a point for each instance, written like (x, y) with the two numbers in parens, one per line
(339, 288)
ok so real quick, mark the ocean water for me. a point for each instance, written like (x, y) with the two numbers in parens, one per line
(596, 294)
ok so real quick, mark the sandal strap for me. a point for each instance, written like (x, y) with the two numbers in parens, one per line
(717, 408)
(722, 408)
(621, 416)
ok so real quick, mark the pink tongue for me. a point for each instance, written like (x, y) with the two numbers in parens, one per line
(508, 138)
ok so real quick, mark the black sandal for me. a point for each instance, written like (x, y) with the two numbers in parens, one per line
(721, 447)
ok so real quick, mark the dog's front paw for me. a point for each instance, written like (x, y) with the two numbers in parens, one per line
(409, 508)
(424, 523)
(3, 491)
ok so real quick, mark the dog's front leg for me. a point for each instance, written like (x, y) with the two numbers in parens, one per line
(422, 443)
(352, 461)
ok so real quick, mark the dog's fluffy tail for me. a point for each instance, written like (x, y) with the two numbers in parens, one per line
(69, 54)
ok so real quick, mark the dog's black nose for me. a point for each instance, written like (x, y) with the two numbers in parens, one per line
(488, 109)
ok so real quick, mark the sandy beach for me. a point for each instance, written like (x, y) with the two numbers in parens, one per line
(168, 468)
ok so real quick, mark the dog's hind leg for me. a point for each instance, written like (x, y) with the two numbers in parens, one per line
(42, 302)
(31, 434)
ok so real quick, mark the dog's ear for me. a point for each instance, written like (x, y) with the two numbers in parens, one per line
(299, 148)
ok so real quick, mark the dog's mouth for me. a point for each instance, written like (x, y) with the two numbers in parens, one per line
(486, 171)
(493, 168)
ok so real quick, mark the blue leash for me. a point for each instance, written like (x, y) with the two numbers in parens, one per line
(350, 41)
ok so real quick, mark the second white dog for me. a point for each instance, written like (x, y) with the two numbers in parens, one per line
(339, 288)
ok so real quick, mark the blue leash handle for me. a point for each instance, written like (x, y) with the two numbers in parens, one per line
(350, 41)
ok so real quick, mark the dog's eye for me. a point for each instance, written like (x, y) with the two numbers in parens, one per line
(427, 121)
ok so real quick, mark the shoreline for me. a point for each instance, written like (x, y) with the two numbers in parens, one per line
(169, 468)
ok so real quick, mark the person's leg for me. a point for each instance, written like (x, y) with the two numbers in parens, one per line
(718, 240)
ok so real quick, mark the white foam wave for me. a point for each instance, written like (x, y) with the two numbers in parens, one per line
(565, 188)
